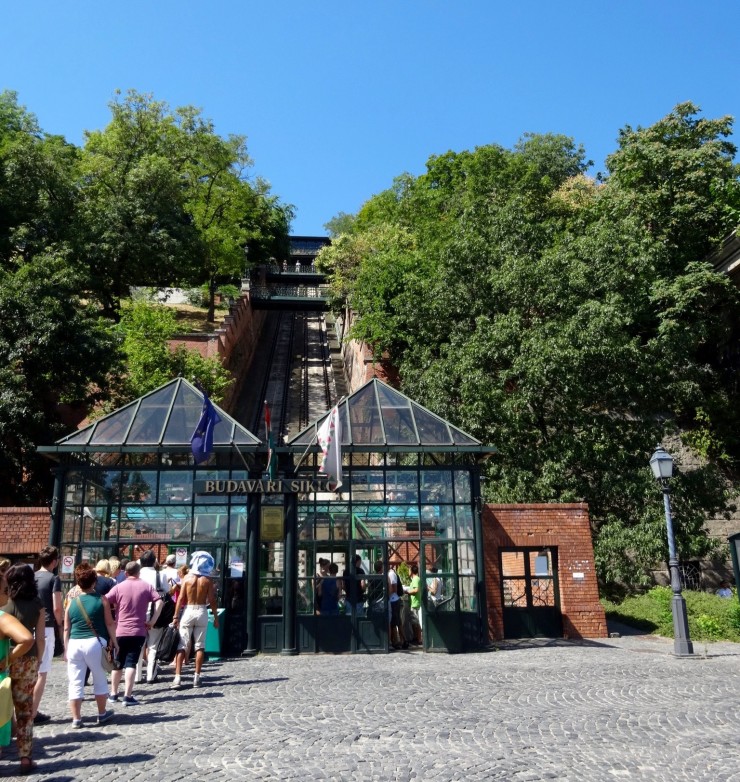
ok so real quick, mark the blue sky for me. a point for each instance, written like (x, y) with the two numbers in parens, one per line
(337, 97)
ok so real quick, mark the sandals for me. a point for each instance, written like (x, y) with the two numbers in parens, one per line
(27, 766)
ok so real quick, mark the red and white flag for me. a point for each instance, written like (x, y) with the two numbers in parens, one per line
(330, 440)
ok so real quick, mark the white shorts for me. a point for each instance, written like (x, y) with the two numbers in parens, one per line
(45, 662)
(194, 623)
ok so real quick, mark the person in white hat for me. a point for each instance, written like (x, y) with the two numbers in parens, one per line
(197, 593)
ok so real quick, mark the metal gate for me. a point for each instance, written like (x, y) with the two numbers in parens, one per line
(530, 594)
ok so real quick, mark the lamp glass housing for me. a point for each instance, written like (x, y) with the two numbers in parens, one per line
(661, 463)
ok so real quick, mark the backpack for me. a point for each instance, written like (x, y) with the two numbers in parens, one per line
(168, 645)
(399, 586)
(167, 613)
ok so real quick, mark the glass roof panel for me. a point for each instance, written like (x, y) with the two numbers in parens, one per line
(461, 438)
(184, 417)
(364, 417)
(381, 416)
(432, 430)
(113, 428)
(174, 408)
(151, 416)
(398, 420)
(79, 438)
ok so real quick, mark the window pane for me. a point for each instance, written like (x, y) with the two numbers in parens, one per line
(142, 522)
(96, 523)
(466, 558)
(402, 486)
(238, 522)
(212, 475)
(467, 594)
(367, 485)
(464, 514)
(72, 524)
(305, 595)
(515, 595)
(462, 486)
(175, 486)
(102, 487)
(436, 486)
(512, 563)
(438, 521)
(210, 522)
(139, 486)
(384, 521)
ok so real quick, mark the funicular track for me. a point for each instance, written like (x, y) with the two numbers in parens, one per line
(297, 382)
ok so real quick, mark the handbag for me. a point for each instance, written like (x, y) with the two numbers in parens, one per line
(167, 614)
(108, 661)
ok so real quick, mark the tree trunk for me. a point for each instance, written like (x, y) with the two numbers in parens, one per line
(212, 300)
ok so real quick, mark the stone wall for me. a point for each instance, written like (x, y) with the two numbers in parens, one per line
(23, 531)
(359, 363)
(562, 526)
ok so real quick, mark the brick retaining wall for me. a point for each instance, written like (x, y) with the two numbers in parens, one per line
(23, 531)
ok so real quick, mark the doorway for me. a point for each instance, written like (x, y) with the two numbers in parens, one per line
(530, 594)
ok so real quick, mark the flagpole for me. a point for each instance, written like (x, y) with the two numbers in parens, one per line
(313, 440)
(241, 456)
(316, 434)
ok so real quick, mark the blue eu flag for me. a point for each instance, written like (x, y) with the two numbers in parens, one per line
(202, 440)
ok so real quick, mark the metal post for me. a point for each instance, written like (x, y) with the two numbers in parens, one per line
(682, 646)
(253, 573)
(480, 561)
(290, 575)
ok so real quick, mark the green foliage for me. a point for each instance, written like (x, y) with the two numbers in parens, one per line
(165, 200)
(53, 349)
(711, 618)
(404, 573)
(570, 323)
(156, 199)
(145, 328)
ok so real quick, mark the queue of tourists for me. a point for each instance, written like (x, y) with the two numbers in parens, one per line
(116, 626)
(355, 595)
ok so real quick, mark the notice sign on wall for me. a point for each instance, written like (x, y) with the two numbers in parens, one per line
(272, 525)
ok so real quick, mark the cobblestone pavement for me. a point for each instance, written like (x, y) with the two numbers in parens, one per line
(622, 709)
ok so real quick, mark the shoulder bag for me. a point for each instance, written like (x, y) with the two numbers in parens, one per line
(110, 663)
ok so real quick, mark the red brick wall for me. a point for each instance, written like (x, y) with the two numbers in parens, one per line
(563, 526)
(234, 343)
(23, 531)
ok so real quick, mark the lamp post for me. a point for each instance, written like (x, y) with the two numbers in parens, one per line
(661, 464)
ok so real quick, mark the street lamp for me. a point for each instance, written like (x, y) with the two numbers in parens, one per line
(661, 464)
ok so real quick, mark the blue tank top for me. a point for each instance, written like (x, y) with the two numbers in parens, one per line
(329, 595)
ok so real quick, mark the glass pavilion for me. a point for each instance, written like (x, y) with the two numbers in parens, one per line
(410, 494)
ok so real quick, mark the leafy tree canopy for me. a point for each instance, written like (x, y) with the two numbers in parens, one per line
(570, 322)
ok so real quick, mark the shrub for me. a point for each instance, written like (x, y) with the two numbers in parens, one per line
(706, 612)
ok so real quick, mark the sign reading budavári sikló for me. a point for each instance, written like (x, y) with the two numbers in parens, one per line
(261, 486)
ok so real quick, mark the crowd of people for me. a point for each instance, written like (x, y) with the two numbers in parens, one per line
(354, 595)
(107, 629)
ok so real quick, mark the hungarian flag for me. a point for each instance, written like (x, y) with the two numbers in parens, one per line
(330, 440)
(271, 455)
(202, 439)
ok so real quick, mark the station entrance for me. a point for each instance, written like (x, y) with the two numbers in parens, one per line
(301, 566)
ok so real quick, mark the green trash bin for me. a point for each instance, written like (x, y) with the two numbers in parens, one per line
(215, 637)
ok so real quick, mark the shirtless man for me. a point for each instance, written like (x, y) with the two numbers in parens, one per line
(197, 593)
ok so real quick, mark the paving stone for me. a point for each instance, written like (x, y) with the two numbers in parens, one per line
(621, 709)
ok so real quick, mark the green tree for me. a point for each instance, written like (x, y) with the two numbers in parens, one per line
(145, 329)
(53, 350)
(571, 323)
(133, 224)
